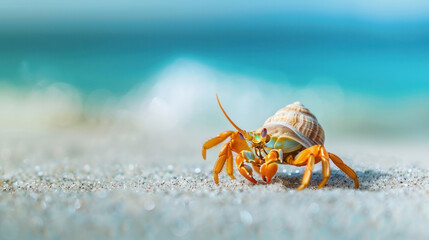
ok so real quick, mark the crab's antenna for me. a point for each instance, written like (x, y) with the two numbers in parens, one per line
(226, 115)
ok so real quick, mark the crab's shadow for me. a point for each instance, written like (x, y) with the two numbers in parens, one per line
(338, 179)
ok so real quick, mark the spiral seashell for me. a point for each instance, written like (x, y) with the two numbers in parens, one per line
(297, 122)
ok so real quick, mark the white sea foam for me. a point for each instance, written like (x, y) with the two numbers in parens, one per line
(57, 105)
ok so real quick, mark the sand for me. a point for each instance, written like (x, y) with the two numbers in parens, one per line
(101, 186)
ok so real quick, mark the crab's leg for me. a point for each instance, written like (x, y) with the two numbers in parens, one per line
(307, 173)
(346, 169)
(225, 155)
(302, 157)
(230, 163)
(245, 170)
(306, 157)
(215, 141)
(326, 168)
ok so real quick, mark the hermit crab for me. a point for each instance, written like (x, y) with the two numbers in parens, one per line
(291, 136)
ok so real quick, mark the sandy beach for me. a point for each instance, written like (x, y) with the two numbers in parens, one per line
(74, 185)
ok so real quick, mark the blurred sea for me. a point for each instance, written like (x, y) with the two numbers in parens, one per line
(359, 77)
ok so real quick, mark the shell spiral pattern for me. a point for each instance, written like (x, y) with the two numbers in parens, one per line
(299, 123)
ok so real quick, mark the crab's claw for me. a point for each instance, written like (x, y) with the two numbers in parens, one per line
(245, 170)
(268, 170)
(270, 167)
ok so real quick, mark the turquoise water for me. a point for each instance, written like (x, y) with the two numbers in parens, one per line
(391, 62)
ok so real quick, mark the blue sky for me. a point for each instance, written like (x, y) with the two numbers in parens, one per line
(400, 17)
(383, 10)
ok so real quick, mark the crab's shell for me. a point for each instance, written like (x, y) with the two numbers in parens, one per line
(297, 123)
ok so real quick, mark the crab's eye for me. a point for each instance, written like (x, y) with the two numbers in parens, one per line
(264, 132)
(267, 139)
(241, 135)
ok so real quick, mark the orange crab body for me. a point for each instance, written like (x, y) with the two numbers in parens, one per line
(291, 136)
